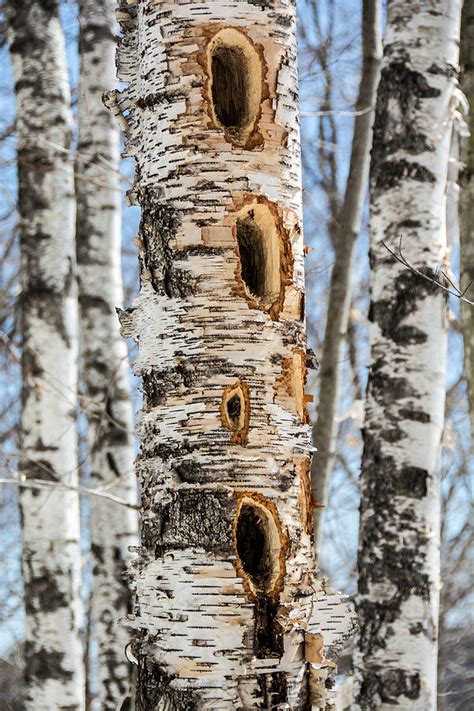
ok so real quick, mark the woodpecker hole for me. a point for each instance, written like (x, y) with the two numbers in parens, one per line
(259, 249)
(235, 411)
(234, 408)
(229, 90)
(258, 545)
(236, 77)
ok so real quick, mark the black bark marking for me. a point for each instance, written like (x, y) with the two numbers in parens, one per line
(230, 86)
(158, 98)
(392, 172)
(268, 634)
(40, 469)
(153, 686)
(43, 594)
(42, 664)
(92, 35)
(408, 290)
(387, 686)
(414, 415)
(383, 482)
(158, 385)
(158, 228)
(407, 87)
(412, 482)
(192, 518)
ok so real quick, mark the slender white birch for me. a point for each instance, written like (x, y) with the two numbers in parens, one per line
(346, 229)
(108, 405)
(399, 576)
(229, 612)
(466, 203)
(54, 675)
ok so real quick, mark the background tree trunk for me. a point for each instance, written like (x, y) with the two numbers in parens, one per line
(345, 231)
(51, 547)
(466, 202)
(229, 610)
(398, 587)
(108, 409)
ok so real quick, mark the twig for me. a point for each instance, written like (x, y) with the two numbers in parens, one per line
(42, 484)
(455, 291)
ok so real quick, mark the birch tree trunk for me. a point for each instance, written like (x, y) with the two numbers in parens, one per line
(50, 520)
(346, 230)
(466, 202)
(109, 409)
(229, 611)
(398, 587)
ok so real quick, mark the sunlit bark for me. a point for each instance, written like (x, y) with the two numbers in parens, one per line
(398, 587)
(230, 612)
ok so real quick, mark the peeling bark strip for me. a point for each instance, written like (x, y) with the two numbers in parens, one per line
(398, 588)
(50, 520)
(108, 409)
(228, 600)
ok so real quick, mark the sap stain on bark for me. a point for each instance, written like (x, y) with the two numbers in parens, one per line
(389, 314)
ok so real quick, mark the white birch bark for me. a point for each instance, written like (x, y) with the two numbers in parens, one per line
(466, 202)
(54, 675)
(109, 409)
(399, 576)
(230, 612)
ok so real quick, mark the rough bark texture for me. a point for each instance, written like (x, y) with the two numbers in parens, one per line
(50, 520)
(466, 202)
(229, 611)
(345, 230)
(398, 587)
(108, 405)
